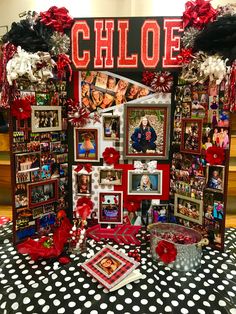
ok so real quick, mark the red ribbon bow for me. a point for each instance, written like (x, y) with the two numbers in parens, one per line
(198, 14)
(185, 56)
(56, 18)
(87, 167)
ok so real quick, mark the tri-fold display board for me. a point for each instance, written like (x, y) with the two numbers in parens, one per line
(136, 146)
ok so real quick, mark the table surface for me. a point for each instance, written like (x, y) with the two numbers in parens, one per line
(46, 286)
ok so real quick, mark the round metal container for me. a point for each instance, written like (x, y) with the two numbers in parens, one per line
(188, 255)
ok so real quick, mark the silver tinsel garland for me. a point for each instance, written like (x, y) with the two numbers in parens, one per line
(189, 37)
(60, 43)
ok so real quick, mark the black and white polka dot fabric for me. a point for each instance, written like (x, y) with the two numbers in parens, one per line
(48, 287)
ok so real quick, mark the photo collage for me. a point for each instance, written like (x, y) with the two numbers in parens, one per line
(40, 149)
(145, 133)
(200, 149)
(102, 90)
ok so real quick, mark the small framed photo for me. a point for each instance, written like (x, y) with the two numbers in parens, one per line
(191, 139)
(111, 127)
(111, 176)
(84, 183)
(41, 193)
(42, 99)
(215, 178)
(146, 133)
(110, 208)
(109, 266)
(188, 208)
(27, 162)
(46, 118)
(144, 183)
(86, 144)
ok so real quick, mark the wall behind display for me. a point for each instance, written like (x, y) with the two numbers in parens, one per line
(95, 8)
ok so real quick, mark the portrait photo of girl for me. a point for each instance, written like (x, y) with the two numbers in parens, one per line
(146, 131)
(144, 137)
(83, 183)
(144, 183)
(86, 144)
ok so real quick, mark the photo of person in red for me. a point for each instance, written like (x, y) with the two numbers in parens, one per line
(144, 137)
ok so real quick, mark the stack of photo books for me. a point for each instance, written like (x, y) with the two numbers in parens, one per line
(112, 268)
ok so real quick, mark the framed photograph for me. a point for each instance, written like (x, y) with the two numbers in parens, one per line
(191, 138)
(41, 193)
(160, 213)
(111, 127)
(42, 99)
(110, 208)
(215, 178)
(146, 133)
(109, 266)
(27, 162)
(84, 183)
(46, 118)
(110, 176)
(86, 144)
(188, 208)
(144, 183)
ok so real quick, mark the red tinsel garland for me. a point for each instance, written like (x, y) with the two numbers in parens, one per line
(185, 56)
(63, 62)
(232, 87)
(8, 51)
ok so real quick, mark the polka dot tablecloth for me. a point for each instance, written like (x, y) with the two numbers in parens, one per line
(48, 287)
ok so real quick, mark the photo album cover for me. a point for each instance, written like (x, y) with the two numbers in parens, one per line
(112, 268)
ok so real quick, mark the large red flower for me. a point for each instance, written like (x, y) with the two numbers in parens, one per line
(111, 155)
(166, 251)
(215, 155)
(131, 204)
(21, 108)
(84, 201)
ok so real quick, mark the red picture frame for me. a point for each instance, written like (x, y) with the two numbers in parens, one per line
(41, 193)
(110, 208)
(86, 146)
(99, 267)
(191, 136)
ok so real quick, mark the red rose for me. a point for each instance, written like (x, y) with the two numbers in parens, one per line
(111, 155)
(215, 155)
(166, 251)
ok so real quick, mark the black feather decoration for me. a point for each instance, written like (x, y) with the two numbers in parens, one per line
(219, 37)
(30, 38)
